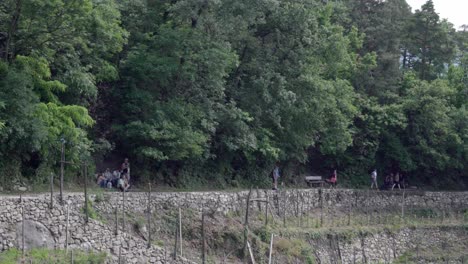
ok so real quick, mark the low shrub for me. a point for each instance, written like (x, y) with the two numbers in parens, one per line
(43, 255)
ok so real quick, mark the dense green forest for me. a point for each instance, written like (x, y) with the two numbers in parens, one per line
(214, 92)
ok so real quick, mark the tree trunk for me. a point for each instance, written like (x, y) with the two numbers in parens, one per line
(12, 28)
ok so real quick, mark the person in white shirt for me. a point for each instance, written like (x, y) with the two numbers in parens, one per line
(276, 175)
(374, 179)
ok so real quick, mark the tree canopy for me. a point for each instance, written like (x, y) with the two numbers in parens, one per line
(215, 92)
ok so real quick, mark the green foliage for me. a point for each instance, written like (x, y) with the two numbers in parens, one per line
(425, 213)
(431, 44)
(13, 256)
(53, 56)
(295, 248)
(92, 213)
(216, 92)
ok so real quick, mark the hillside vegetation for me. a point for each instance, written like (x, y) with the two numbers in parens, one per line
(214, 92)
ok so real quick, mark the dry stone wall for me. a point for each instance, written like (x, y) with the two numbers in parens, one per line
(387, 245)
(46, 227)
(292, 202)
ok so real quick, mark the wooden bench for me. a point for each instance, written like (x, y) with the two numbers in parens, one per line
(313, 181)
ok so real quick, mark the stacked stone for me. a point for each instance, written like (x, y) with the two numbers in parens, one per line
(46, 227)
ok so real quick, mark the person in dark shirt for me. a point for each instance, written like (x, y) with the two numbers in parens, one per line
(125, 169)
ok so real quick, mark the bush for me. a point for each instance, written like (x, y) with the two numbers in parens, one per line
(91, 212)
(42, 255)
(427, 212)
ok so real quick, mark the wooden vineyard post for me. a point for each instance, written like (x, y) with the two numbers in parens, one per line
(123, 210)
(203, 237)
(284, 208)
(22, 227)
(51, 205)
(250, 253)
(259, 204)
(86, 191)
(297, 208)
(246, 224)
(180, 231)
(321, 207)
(66, 229)
(271, 248)
(301, 208)
(62, 164)
(266, 210)
(403, 205)
(149, 216)
(116, 232)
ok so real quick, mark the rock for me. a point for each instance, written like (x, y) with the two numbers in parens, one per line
(36, 235)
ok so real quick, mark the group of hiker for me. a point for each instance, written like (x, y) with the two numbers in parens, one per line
(391, 181)
(119, 179)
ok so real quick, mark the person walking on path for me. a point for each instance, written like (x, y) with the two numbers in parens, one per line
(396, 181)
(374, 179)
(276, 175)
(333, 179)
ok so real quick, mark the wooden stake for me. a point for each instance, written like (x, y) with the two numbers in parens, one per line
(62, 163)
(271, 248)
(149, 216)
(86, 191)
(123, 210)
(297, 204)
(250, 252)
(51, 205)
(259, 205)
(66, 230)
(403, 205)
(246, 223)
(284, 208)
(321, 207)
(203, 237)
(301, 208)
(180, 231)
(175, 242)
(22, 228)
(266, 210)
(116, 221)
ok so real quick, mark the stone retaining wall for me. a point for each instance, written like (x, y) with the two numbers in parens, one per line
(384, 246)
(47, 228)
(293, 202)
